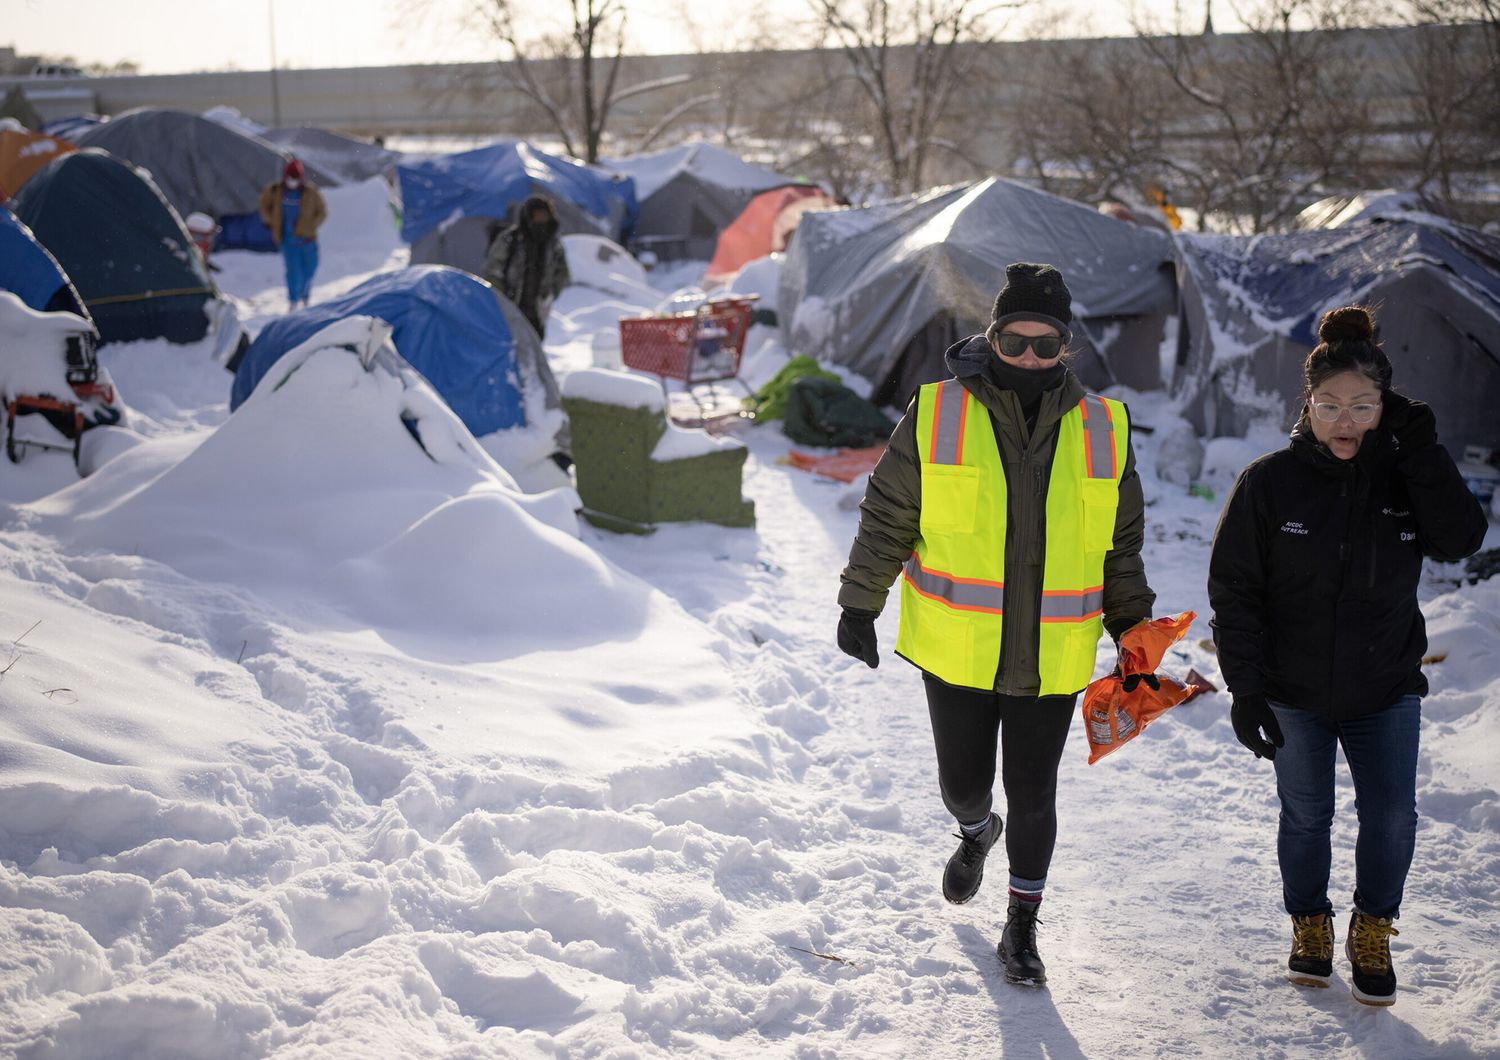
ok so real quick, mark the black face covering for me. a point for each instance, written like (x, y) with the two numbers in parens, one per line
(1028, 384)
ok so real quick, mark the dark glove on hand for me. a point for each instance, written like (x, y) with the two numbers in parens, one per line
(1412, 422)
(1130, 682)
(1249, 715)
(857, 635)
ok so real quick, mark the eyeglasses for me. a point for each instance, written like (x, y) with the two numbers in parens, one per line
(1044, 346)
(1328, 412)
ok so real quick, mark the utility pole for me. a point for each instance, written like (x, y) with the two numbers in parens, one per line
(275, 88)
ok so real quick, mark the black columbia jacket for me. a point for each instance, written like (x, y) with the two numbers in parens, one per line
(1313, 577)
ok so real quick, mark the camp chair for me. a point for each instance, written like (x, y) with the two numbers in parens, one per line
(66, 416)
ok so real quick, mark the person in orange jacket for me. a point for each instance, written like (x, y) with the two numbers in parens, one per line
(293, 209)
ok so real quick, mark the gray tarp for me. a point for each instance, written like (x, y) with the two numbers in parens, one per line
(690, 193)
(347, 160)
(199, 165)
(1252, 305)
(861, 287)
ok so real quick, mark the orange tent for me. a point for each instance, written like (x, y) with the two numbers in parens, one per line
(762, 227)
(22, 154)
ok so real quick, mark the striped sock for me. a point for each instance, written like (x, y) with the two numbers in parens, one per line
(974, 831)
(1027, 890)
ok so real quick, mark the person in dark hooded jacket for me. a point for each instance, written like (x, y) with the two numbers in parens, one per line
(527, 264)
(1313, 583)
(1008, 505)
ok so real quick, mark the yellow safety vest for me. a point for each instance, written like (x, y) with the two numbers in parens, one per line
(953, 586)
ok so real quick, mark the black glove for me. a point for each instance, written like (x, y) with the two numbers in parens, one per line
(1412, 422)
(1251, 714)
(857, 635)
(1131, 681)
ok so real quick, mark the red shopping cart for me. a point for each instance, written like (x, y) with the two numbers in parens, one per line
(702, 345)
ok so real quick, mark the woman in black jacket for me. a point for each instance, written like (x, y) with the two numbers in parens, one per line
(1313, 582)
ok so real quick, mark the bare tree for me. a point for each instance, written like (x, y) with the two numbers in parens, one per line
(571, 77)
(1266, 119)
(1453, 63)
(907, 58)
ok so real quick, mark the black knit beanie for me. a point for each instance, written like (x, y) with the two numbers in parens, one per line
(1033, 292)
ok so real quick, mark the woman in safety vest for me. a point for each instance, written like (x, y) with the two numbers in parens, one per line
(1008, 505)
(1313, 582)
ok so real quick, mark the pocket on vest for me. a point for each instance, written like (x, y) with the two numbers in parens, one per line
(950, 498)
(1101, 503)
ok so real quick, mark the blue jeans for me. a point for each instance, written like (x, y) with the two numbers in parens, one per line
(301, 262)
(1381, 750)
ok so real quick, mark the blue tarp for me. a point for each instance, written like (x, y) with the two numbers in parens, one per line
(446, 323)
(1295, 277)
(489, 181)
(32, 274)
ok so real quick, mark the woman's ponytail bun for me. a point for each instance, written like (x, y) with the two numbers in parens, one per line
(1349, 322)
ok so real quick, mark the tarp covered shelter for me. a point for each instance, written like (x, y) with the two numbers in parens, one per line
(689, 194)
(201, 166)
(22, 154)
(1252, 306)
(123, 246)
(30, 272)
(464, 336)
(344, 158)
(453, 204)
(884, 289)
(763, 227)
(1336, 211)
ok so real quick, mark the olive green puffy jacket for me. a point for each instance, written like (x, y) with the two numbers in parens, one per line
(890, 516)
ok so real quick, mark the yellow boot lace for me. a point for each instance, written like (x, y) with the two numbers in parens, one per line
(1369, 939)
(1312, 937)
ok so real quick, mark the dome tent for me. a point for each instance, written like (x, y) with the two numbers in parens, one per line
(885, 289)
(201, 166)
(466, 338)
(452, 204)
(126, 251)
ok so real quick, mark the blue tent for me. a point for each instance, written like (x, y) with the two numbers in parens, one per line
(121, 244)
(31, 273)
(490, 181)
(449, 325)
(1252, 306)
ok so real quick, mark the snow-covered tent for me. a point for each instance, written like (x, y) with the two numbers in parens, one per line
(1252, 304)
(22, 154)
(347, 159)
(126, 251)
(1337, 211)
(466, 338)
(763, 227)
(201, 166)
(689, 194)
(884, 289)
(452, 204)
(30, 272)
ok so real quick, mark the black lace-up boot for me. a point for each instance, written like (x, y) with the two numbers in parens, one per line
(1017, 949)
(1311, 962)
(1368, 947)
(966, 866)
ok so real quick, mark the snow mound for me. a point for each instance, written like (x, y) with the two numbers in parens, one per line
(337, 454)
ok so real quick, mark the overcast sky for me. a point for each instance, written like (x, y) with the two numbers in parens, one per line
(171, 36)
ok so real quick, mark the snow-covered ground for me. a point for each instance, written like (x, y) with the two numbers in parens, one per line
(313, 744)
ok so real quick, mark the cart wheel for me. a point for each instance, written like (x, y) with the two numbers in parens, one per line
(11, 449)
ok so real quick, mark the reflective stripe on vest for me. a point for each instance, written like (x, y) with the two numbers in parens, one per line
(953, 585)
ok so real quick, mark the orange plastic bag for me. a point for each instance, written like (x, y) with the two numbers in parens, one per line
(1113, 717)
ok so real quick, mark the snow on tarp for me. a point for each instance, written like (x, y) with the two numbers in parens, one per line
(448, 324)
(1252, 306)
(347, 159)
(32, 358)
(490, 181)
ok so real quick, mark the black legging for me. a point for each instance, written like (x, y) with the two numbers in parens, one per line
(1031, 732)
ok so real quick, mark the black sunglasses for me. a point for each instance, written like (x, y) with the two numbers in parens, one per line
(1044, 346)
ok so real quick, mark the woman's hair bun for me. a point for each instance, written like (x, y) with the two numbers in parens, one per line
(1348, 322)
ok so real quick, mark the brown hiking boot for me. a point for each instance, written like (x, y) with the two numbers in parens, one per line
(1368, 948)
(1311, 962)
